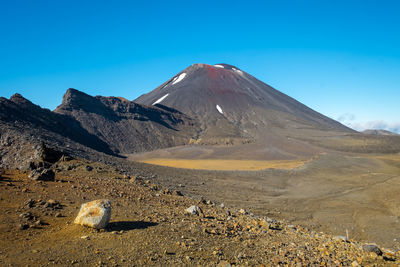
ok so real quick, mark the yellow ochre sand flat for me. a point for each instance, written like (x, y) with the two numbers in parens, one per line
(225, 165)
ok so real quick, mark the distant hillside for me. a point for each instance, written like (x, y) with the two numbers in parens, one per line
(378, 132)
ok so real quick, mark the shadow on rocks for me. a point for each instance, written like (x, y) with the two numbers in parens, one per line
(129, 225)
(2, 178)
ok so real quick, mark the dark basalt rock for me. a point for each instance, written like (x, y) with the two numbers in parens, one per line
(48, 154)
(89, 168)
(372, 248)
(42, 175)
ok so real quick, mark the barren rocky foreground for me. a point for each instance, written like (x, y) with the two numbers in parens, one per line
(150, 226)
(333, 193)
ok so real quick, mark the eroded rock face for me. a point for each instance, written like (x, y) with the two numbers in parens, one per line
(95, 214)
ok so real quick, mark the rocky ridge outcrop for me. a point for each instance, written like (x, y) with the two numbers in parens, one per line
(89, 127)
(126, 126)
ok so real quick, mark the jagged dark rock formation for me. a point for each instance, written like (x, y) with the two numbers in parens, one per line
(127, 126)
(20, 111)
(87, 127)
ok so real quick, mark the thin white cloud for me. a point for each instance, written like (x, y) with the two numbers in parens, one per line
(350, 121)
(346, 117)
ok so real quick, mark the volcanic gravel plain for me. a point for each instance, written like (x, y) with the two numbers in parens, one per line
(150, 225)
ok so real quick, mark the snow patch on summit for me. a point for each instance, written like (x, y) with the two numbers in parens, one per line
(219, 66)
(219, 109)
(238, 71)
(161, 99)
(179, 78)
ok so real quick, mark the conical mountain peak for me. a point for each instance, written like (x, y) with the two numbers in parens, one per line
(230, 102)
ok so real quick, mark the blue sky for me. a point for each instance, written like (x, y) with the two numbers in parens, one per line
(341, 58)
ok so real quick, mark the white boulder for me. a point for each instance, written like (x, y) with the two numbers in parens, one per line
(95, 214)
(194, 210)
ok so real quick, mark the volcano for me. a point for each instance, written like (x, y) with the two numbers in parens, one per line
(231, 104)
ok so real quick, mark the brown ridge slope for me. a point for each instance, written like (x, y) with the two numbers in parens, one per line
(20, 112)
(24, 125)
(149, 226)
(125, 126)
(87, 127)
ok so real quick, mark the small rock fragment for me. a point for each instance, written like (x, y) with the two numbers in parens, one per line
(23, 226)
(52, 204)
(42, 175)
(167, 192)
(389, 255)
(27, 215)
(242, 211)
(30, 203)
(194, 210)
(340, 238)
(372, 248)
(153, 187)
(89, 168)
(178, 193)
(65, 158)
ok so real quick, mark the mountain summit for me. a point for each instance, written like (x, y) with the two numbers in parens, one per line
(228, 102)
